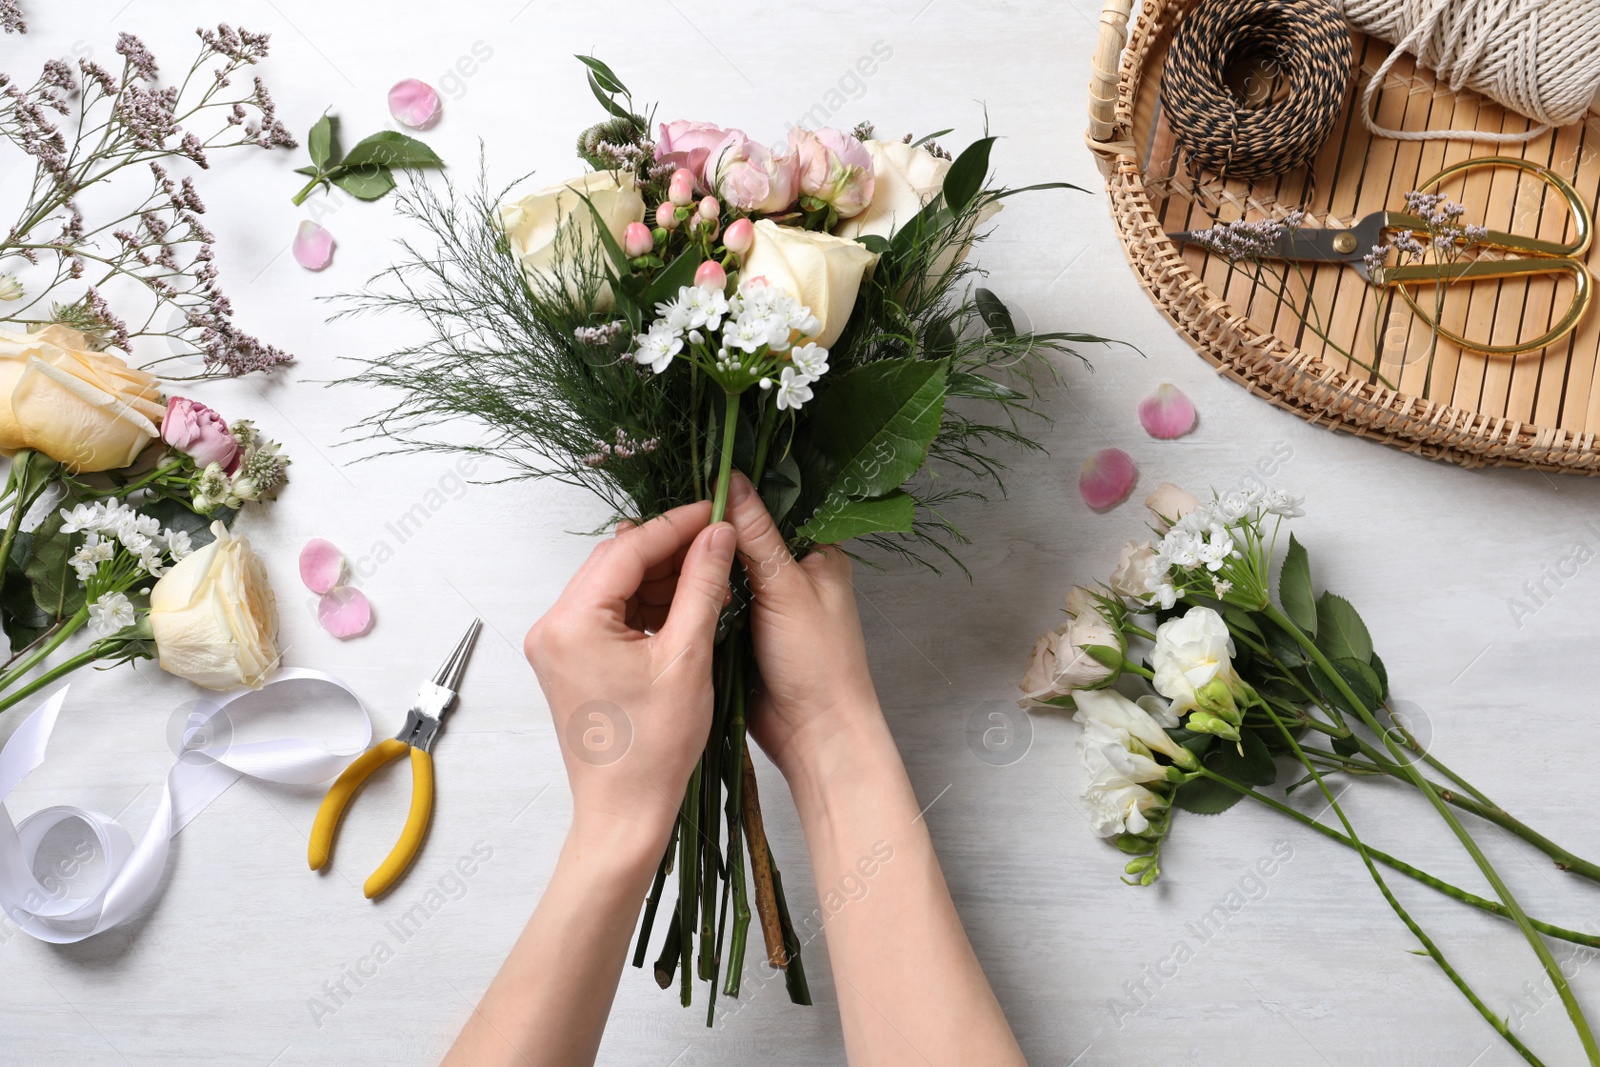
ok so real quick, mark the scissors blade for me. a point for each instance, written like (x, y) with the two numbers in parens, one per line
(1309, 244)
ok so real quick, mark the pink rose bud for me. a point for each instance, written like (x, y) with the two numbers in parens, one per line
(667, 215)
(711, 275)
(740, 236)
(637, 239)
(680, 188)
(200, 433)
(709, 208)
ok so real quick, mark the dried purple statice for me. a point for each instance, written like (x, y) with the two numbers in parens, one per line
(11, 20)
(160, 244)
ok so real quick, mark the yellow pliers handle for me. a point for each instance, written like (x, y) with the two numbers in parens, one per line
(344, 789)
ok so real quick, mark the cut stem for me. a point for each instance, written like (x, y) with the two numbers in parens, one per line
(761, 869)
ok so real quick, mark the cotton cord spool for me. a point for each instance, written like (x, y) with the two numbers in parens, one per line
(1537, 57)
(1305, 42)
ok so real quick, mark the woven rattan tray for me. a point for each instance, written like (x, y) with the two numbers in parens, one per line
(1539, 409)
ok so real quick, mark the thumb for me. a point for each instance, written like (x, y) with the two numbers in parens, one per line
(702, 590)
(768, 562)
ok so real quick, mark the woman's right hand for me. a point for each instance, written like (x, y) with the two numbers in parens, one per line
(817, 688)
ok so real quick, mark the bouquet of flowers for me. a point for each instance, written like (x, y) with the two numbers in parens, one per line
(700, 302)
(1249, 672)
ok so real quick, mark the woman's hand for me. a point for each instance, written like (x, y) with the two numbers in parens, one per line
(624, 659)
(817, 688)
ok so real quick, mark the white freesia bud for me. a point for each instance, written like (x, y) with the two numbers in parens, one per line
(1118, 739)
(1190, 653)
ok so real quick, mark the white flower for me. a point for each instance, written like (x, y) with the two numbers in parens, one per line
(1190, 652)
(81, 517)
(1060, 663)
(178, 543)
(1141, 722)
(1285, 504)
(707, 306)
(658, 345)
(1217, 550)
(793, 390)
(810, 360)
(1221, 586)
(1166, 594)
(1115, 746)
(1137, 574)
(110, 613)
(89, 555)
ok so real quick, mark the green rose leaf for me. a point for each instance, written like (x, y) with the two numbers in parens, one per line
(1255, 767)
(1205, 797)
(832, 523)
(677, 274)
(1294, 588)
(392, 149)
(56, 589)
(367, 183)
(1340, 632)
(319, 142)
(780, 485)
(1358, 675)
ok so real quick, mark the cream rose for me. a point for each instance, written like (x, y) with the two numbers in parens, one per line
(1137, 571)
(906, 177)
(1168, 504)
(820, 270)
(214, 617)
(86, 409)
(553, 229)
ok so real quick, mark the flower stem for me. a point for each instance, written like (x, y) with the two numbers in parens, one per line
(60, 670)
(730, 417)
(66, 630)
(1540, 949)
(311, 186)
(1493, 907)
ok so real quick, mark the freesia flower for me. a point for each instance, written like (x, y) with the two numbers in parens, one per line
(748, 176)
(1117, 746)
(1190, 654)
(835, 170)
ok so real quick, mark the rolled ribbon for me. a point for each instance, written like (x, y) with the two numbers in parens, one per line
(131, 873)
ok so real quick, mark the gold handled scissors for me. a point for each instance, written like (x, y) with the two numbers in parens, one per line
(1350, 247)
(434, 701)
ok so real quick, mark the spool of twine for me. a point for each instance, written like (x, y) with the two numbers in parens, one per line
(1540, 58)
(1300, 50)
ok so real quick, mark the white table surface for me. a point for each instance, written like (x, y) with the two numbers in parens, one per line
(224, 967)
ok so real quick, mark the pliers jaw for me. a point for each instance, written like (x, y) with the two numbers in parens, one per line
(426, 716)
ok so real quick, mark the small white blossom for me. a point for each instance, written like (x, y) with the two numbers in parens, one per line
(793, 390)
(811, 360)
(81, 517)
(1286, 504)
(178, 544)
(110, 613)
(658, 345)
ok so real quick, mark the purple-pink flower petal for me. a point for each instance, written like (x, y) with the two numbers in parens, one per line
(1107, 478)
(345, 613)
(321, 565)
(414, 103)
(313, 246)
(1166, 413)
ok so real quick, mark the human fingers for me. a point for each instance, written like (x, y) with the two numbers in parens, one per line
(702, 590)
(767, 560)
(619, 566)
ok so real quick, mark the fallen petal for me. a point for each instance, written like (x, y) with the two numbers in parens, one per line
(345, 613)
(1107, 478)
(321, 565)
(414, 103)
(313, 246)
(1166, 413)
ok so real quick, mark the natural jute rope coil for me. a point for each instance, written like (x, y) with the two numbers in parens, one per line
(1537, 57)
(1305, 42)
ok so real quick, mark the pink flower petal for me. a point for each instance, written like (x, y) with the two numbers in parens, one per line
(1166, 413)
(313, 246)
(345, 613)
(1107, 478)
(321, 565)
(414, 103)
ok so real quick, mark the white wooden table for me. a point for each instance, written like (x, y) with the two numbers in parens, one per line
(241, 958)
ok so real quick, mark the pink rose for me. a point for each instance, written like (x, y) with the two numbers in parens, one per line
(835, 169)
(200, 433)
(750, 177)
(687, 144)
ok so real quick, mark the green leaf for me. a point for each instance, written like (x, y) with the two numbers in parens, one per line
(1294, 588)
(1205, 797)
(24, 619)
(1356, 674)
(875, 243)
(872, 427)
(392, 149)
(938, 340)
(925, 138)
(1255, 767)
(319, 142)
(833, 523)
(978, 387)
(1340, 632)
(1380, 672)
(368, 183)
(1285, 649)
(780, 485)
(1240, 621)
(680, 272)
(174, 515)
(56, 589)
(603, 74)
(966, 175)
(309, 172)
(1346, 746)
(995, 314)
(606, 100)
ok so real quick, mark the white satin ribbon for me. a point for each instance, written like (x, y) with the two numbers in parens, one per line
(131, 873)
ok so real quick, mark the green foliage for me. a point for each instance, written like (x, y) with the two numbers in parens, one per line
(1294, 588)
(893, 512)
(1340, 632)
(367, 171)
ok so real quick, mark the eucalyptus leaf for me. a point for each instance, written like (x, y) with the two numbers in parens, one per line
(1294, 588)
(605, 98)
(925, 138)
(1340, 632)
(603, 74)
(367, 183)
(392, 149)
(833, 523)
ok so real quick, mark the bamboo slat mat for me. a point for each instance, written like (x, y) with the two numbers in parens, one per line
(1397, 382)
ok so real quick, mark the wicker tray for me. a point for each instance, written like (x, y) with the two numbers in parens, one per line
(1540, 409)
